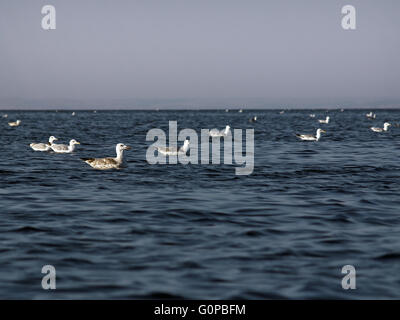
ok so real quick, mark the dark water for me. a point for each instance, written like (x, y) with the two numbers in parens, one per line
(200, 231)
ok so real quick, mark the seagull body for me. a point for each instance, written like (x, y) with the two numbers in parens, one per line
(108, 163)
(5, 115)
(14, 124)
(385, 128)
(217, 133)
(324, 121)
(63, 148)
(174, 151)
(310, 137)
(312, 115)
(43, 146)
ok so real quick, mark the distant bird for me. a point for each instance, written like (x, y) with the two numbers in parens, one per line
(386, 125)
(5, 115)
(371, 115)
(226, 110)
(312, 115)
(14, 124)
(254, 119)
(310, 137)
(108, 163)
(73, 113)
(43, 146)
(217, 133)
(174, 151)
(240, 111)
(324, 121)
(63, 148)
(282, 112)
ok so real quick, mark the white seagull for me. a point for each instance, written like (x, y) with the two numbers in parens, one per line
(173, 151)
(43, 146)
(312, 115)
(325, 121)
(14, 124)
(310, 137)
(5, 115)
(216, 133)
(63, 148)
(386, 125)
(108, 163)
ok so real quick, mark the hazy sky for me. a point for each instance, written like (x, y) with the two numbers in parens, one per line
(198, 53)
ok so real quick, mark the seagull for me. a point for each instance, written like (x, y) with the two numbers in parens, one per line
(310, 137)
(174, 151)
(63, 148)
(371, 115)
(325, 121)
(254, 119)
(385, 127)
(240, 111)
(282, 112)
(312, 115)
(14, 124)
(73, 113)
(108, 163)
(5, 115)
(217, 133)
(43, 146)
(226, 110)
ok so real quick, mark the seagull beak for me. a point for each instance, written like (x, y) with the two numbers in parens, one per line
(78, 142)
(323, 131)
(128, 148)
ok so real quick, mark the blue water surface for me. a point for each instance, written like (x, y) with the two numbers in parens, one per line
(201, 231)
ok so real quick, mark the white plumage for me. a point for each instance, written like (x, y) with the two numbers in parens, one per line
(217, 133)
(14, 124)
(173, 151)
(43, 146)
(326, 121)
(63, 148)
(386, 125)
(310, 137)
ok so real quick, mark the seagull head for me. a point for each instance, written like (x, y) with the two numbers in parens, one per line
(121, 147)
(73, 141)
